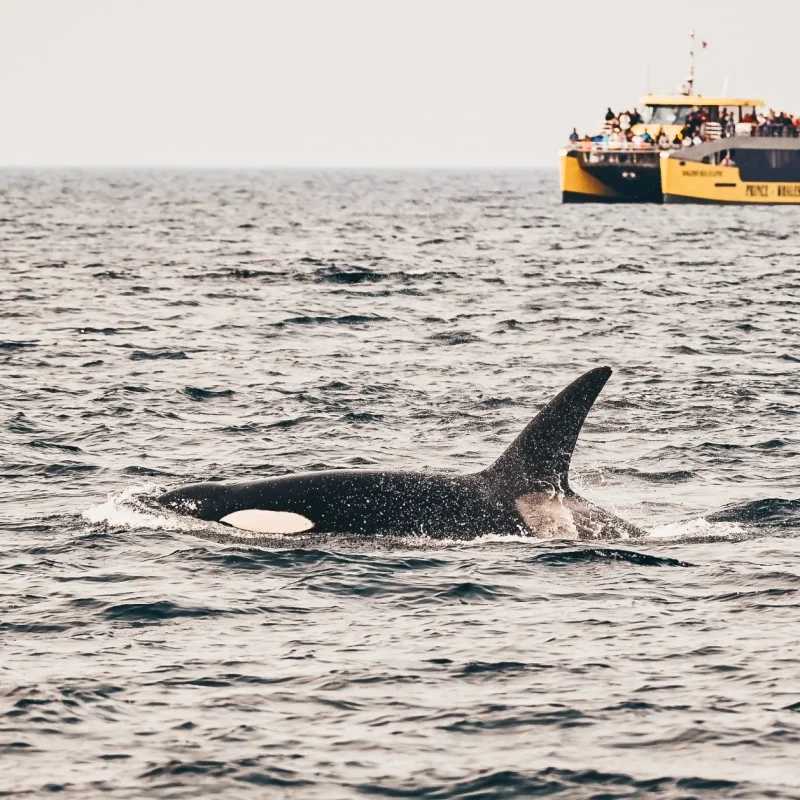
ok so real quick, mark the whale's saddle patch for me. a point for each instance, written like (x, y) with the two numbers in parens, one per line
(258, 520)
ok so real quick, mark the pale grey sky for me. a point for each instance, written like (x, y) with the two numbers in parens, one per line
(360, 82)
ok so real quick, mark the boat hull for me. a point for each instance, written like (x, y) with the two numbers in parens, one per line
(615, 179)
(578, 186)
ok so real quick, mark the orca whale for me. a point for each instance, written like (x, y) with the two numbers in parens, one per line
(526, 491)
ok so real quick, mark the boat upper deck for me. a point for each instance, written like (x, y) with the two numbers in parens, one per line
(707, 150)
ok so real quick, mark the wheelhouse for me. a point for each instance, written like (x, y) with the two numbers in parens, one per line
(669, 113)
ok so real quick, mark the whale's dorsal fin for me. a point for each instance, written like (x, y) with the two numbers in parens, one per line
(539, 457)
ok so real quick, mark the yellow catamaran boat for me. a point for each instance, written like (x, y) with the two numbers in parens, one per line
(688, 148)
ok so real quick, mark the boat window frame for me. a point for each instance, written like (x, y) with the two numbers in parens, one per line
(681, 115)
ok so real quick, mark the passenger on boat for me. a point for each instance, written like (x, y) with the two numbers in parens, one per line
(573, 137)
(727, 124)
(610, 115)
(784, 125)
(727, 161)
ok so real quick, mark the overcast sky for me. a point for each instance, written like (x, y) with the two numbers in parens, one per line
(360, 82)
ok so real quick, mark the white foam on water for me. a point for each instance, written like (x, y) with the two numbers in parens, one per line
(125, 509)
(700, 528)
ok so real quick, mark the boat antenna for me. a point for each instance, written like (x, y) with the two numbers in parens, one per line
(688, 87)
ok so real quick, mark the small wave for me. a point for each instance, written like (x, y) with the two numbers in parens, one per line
(747, 597)
(470, 591)
(579, 784)
(248, 771)
(56, 468)
(158, 611)
(46, 444)
(252, 558)
(18, 345)
(199, 394)
(594, 554)
(334, 274)
(236, 273)
(723, 446)
(454, 337)
(20, 424)
(346, 319)
(31, 627)
(771, 444)
(496, 402)
(247, 427)
(335, 386)
(492, 668)
(363, 416)
(432, 275)
(769, 511)
(153, 355)
(111, 274)
(104, 331)
(635, 268)
(137, 470)
(288, 423)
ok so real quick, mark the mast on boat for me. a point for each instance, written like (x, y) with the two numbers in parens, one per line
(688, 86)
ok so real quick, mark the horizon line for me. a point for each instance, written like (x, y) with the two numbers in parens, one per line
(363, 167)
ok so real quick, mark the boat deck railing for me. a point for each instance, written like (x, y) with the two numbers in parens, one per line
(621, 147)
(768, 131)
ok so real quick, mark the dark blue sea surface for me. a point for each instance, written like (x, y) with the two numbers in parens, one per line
(158, 328)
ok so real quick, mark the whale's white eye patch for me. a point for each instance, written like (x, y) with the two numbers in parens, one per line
(260, 521)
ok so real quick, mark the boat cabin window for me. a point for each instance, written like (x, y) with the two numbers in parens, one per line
(768, 165)
(677, 115)
(668, 115)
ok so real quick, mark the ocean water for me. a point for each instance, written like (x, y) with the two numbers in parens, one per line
(158, 328)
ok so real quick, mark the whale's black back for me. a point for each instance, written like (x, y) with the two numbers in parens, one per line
(361, 502)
